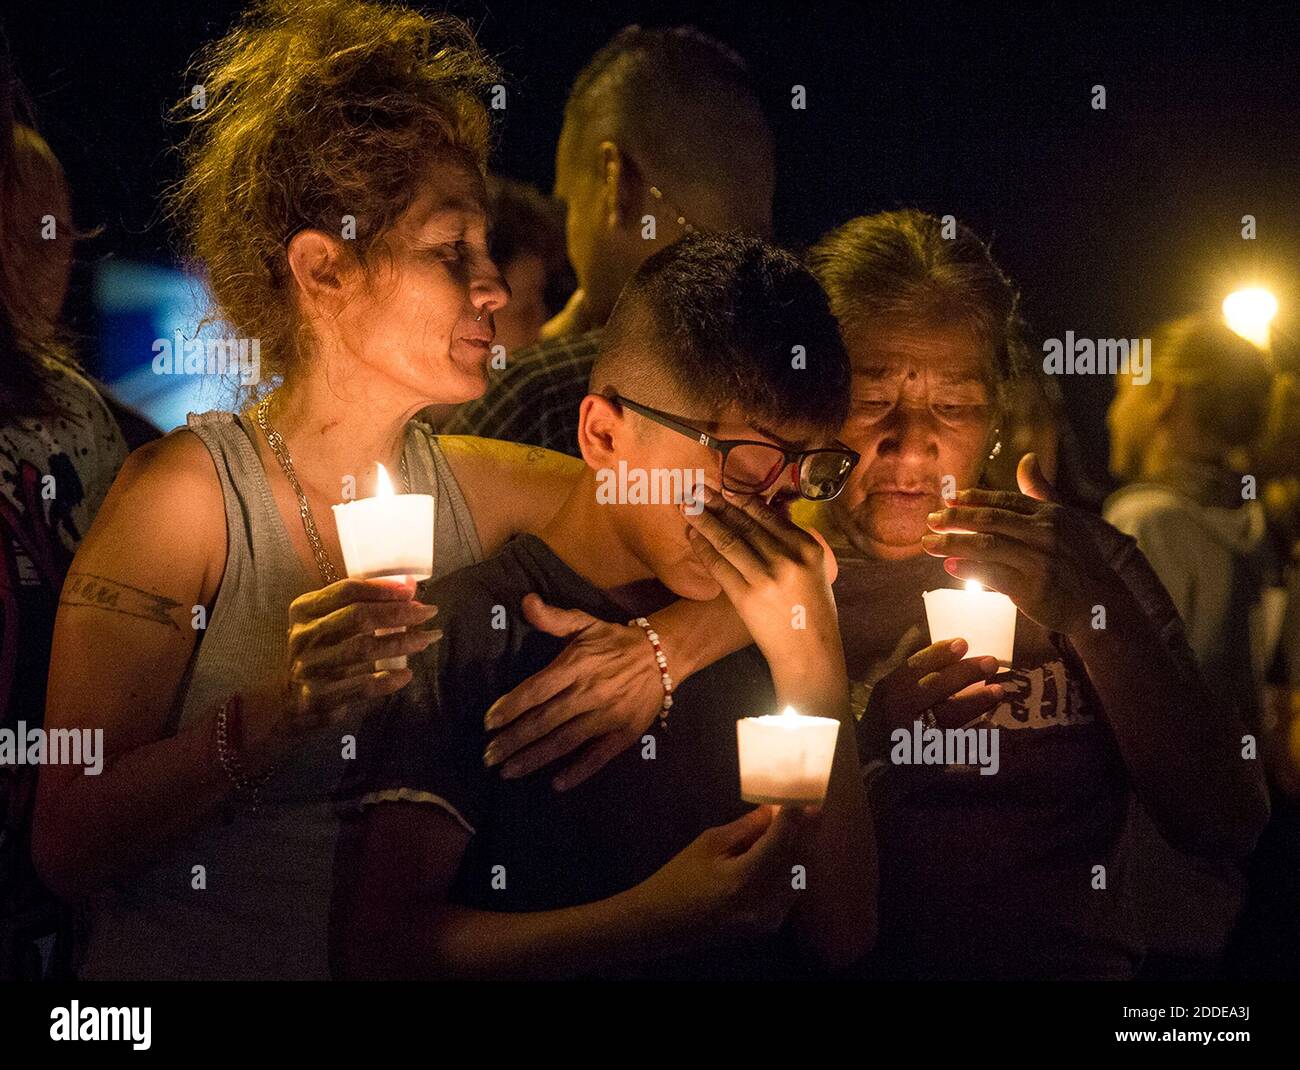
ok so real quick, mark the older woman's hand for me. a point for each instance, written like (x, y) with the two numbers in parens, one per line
(594, 700)
(938, 678)
(1038, 553)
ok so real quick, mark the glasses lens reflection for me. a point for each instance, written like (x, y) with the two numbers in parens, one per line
(822, 475)
(752, 468)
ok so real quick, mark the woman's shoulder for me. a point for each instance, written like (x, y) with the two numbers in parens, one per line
(499, 471)
(507, 487)
(181, 454)
(162, 526)
(172, 480)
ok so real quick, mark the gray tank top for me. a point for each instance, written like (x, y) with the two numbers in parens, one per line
(259, 905)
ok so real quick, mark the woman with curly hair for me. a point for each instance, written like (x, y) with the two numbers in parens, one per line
(333, 195)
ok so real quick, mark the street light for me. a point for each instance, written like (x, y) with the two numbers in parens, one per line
(1249, 312)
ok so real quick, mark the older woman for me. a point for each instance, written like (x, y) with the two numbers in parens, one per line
(334, 196)
(1012, 869)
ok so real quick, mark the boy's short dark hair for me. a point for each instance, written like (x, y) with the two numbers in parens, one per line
(721, 319)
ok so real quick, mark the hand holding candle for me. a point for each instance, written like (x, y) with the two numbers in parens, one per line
(389, 536)
(786, 759)
(1048, 558)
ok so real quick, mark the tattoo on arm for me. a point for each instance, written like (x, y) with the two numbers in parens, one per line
(99, 592)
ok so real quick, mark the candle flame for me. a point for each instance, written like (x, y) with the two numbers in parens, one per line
(790, 713)
(974, 586)
(383, 485)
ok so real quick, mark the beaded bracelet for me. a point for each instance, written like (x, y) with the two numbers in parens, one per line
(662, 661)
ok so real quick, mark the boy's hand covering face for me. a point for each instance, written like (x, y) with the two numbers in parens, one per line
(773, 571)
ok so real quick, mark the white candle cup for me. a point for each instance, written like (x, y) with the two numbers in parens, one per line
(985, 619)
(786, 760)
(389, 536)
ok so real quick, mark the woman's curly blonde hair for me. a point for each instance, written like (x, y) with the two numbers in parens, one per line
(312, 110)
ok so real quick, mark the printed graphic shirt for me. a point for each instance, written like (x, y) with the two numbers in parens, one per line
(996, 876)
(54, 473)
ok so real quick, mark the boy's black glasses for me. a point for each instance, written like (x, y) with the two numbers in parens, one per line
(750, 467)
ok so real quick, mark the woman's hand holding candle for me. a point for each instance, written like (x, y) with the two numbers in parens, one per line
(930, 680)
(389, 536)
(331, 662)
(1038, 553)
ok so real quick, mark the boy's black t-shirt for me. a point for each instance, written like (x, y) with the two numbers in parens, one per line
(533, 848)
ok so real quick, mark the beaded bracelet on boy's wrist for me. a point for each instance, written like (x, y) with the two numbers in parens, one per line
(662, 661)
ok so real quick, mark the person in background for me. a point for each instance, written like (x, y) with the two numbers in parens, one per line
(1266, 942)
(526, 241)
(1020, 873)
(662, 135)
(60, 449)
(1194, 513)
(1197, 519)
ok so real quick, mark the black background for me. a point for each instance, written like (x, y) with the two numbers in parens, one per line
(1108, 220)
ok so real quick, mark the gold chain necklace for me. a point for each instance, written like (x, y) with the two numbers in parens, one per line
(274, 439)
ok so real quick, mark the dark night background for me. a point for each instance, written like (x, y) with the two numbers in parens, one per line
(1108, 220)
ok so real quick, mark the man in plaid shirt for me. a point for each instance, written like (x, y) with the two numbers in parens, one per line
(662, 135)
(535, 400)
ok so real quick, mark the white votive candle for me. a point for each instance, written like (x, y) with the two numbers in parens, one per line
(985, 619)
(786, 759)
(389, 536)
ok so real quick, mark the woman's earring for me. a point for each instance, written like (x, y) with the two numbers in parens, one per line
(997, 445)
